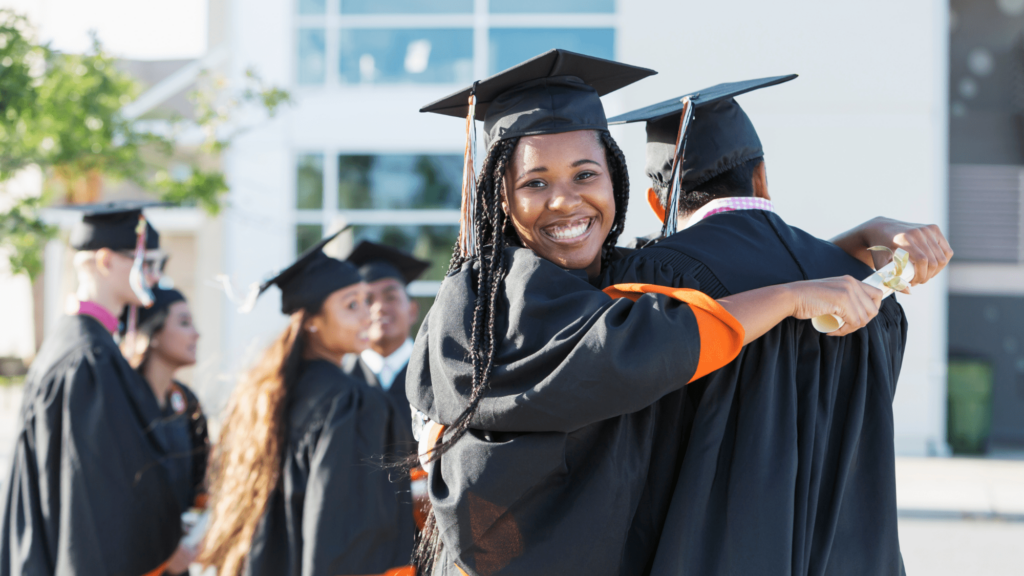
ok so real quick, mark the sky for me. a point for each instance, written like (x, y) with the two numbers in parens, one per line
(136, 29)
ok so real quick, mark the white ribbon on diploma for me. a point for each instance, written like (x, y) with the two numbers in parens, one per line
(896, 275)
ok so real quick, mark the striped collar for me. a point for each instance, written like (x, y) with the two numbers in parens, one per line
(731, 204)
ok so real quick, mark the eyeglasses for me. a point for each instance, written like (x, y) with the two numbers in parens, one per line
(150, 264)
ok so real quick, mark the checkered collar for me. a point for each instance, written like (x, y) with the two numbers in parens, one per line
(732, 204)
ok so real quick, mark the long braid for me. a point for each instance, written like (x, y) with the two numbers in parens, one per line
(495, 232)
(620, 183)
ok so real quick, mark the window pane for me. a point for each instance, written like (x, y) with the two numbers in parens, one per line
(399, 181)
(429, 56)
(306, 235)
(406, 6)
(309, 190)
(549, 6)
(510, 46)
(431, 243)
(311, 56)
(312, 6)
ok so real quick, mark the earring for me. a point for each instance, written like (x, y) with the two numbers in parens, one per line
(312, 328)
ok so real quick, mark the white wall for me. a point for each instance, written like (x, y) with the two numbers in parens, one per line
(862, 132)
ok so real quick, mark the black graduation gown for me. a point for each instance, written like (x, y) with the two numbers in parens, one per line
(550, 475)
(354, 366)
(188, 448)
(87, 493)
(790, 465)
(336, 511)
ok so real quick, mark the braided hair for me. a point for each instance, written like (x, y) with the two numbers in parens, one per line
(494, 232)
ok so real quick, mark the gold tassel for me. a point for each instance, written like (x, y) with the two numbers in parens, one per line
(467, 218)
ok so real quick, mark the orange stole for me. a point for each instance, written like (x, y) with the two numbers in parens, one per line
(721, 335)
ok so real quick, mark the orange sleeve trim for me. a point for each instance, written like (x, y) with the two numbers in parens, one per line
(655, 204)
(417, 473)
(159, 569)
(400, 571)
(721, 334)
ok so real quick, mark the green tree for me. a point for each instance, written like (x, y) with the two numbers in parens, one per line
(62, 112)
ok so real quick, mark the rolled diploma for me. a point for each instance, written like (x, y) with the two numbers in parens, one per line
(830, 322)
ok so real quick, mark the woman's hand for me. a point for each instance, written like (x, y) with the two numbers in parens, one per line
(927, 246)
(846, 297)
(181, 559)
(761, 309)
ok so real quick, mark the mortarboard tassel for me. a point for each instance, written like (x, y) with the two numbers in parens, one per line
(467, 217)
(137, 281)
(675, 183)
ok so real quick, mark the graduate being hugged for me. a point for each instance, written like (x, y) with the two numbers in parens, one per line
(540, 391)
(297, 482)
(87, 493)
(789, 468)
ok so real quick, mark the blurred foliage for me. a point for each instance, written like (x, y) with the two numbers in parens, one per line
(23, 236)
(62, 112)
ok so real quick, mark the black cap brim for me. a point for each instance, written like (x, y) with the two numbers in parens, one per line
(377, 261)
(699, 98)
(604, 76)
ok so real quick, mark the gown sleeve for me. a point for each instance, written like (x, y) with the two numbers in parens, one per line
(567, 354)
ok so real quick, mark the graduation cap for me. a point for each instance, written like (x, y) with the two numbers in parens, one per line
(377, 261)
(307, 282)
(555, 92)
(721, 136)
(111, 225)
(149, 319)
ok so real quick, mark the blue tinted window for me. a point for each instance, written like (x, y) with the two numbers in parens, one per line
(306, 235)
(399, 181)
(552, 6)
(406, 6)
(383, 55)
(312, 6)
(309, 186)
(311, 56)
(510, 46)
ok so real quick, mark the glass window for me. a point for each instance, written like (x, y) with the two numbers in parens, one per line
(306, 235)
(312, 65)
(552, 6)
(399, 181)
(309, 189)
(431, 243)
(312, 6)
(403, 55)
(406, 6)
(510, 46)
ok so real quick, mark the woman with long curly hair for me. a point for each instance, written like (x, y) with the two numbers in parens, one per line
(539, 392)
(297, 483)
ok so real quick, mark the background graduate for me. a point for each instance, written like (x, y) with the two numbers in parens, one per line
(542, 387)
(789, 467)
(165, 343)
(387, 273)
(88, 491)
(297, 482)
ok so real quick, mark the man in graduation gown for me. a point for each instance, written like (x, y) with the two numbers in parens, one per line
(387, 272)
(785, 456)
(86, 493)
